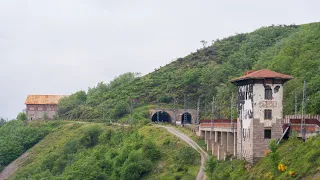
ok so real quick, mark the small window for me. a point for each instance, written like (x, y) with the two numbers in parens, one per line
(276, 89)
(267, 133)
(267, 114)
(241, 96)
(268, 93)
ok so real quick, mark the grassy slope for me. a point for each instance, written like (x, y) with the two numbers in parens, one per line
(89, 162)
(16, 138)
(303, 158)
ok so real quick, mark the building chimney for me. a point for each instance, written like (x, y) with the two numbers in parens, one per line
(248, 72)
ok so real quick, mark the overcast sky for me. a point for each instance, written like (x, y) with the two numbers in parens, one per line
(62, 46)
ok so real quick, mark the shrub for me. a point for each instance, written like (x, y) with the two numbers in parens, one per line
(121, 109)
(71, 146)
(135, 166)
(151, 151)
(186, 155)
(91, 136)
(105, 137)
(210, 167)
(274, 157)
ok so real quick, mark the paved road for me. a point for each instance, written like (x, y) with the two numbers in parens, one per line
(13, 166)
(204, 155)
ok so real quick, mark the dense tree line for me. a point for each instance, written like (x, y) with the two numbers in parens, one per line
(293, 50)
(16, 138)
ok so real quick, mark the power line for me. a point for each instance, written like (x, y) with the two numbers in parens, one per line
(198, 112)
(303, 123)
(158, 115)
(231, 112)
(295, 103)
(175, 110)
(131, 110)
(185, 109)
(212, 111)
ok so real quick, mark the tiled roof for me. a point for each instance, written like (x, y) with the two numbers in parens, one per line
(262, 74)
(43, 99)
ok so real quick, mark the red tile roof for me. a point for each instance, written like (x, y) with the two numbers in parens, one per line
(262, 74)
(43, 99)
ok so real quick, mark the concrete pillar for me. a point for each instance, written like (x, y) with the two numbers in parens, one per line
(207, 136)
(227, 141)
(211, 132)
(223, 138)
(230, 143)
(218, 153)
(215, 136)
(201, 134)
(234, 144)
(209, 144)
(222, 154)
(213, 148)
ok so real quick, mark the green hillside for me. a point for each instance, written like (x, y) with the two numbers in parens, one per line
(300, 160)
(292, 49)
(82, 150)
(16, 138)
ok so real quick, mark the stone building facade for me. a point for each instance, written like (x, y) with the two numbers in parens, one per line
(42, 106)
(260, 95)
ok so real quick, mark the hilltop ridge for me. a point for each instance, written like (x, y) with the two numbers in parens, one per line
(292, 50)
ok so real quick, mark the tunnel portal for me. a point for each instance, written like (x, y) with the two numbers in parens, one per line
(163, 117)
(186, 118)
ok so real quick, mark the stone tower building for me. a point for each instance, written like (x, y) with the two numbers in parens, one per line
(260, 95)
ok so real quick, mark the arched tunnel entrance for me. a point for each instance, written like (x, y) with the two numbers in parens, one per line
(163, 117)
(186, 118)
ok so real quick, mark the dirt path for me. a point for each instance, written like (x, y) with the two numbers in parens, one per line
(13, 166)
(204, 155)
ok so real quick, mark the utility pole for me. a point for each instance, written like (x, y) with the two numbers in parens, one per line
(158, 115)
(185, 109)
(212, 111)
(295, 103)
(205, 109)
(303, 123)
(241, 151)
(231, 113)
(131, 110)
(198, 112)
(103, 114)
(175, 110)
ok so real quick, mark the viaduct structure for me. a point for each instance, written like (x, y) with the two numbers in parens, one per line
(260, 118)
(173, 116)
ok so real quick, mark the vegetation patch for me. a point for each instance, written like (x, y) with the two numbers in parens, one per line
(16, 137)
(293, 159)
(101, 151)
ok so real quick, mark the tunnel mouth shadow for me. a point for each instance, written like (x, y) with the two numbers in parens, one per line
(164, 117)
(186, 118)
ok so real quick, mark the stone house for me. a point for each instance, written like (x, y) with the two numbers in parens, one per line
(260, 95)
(42, 106)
